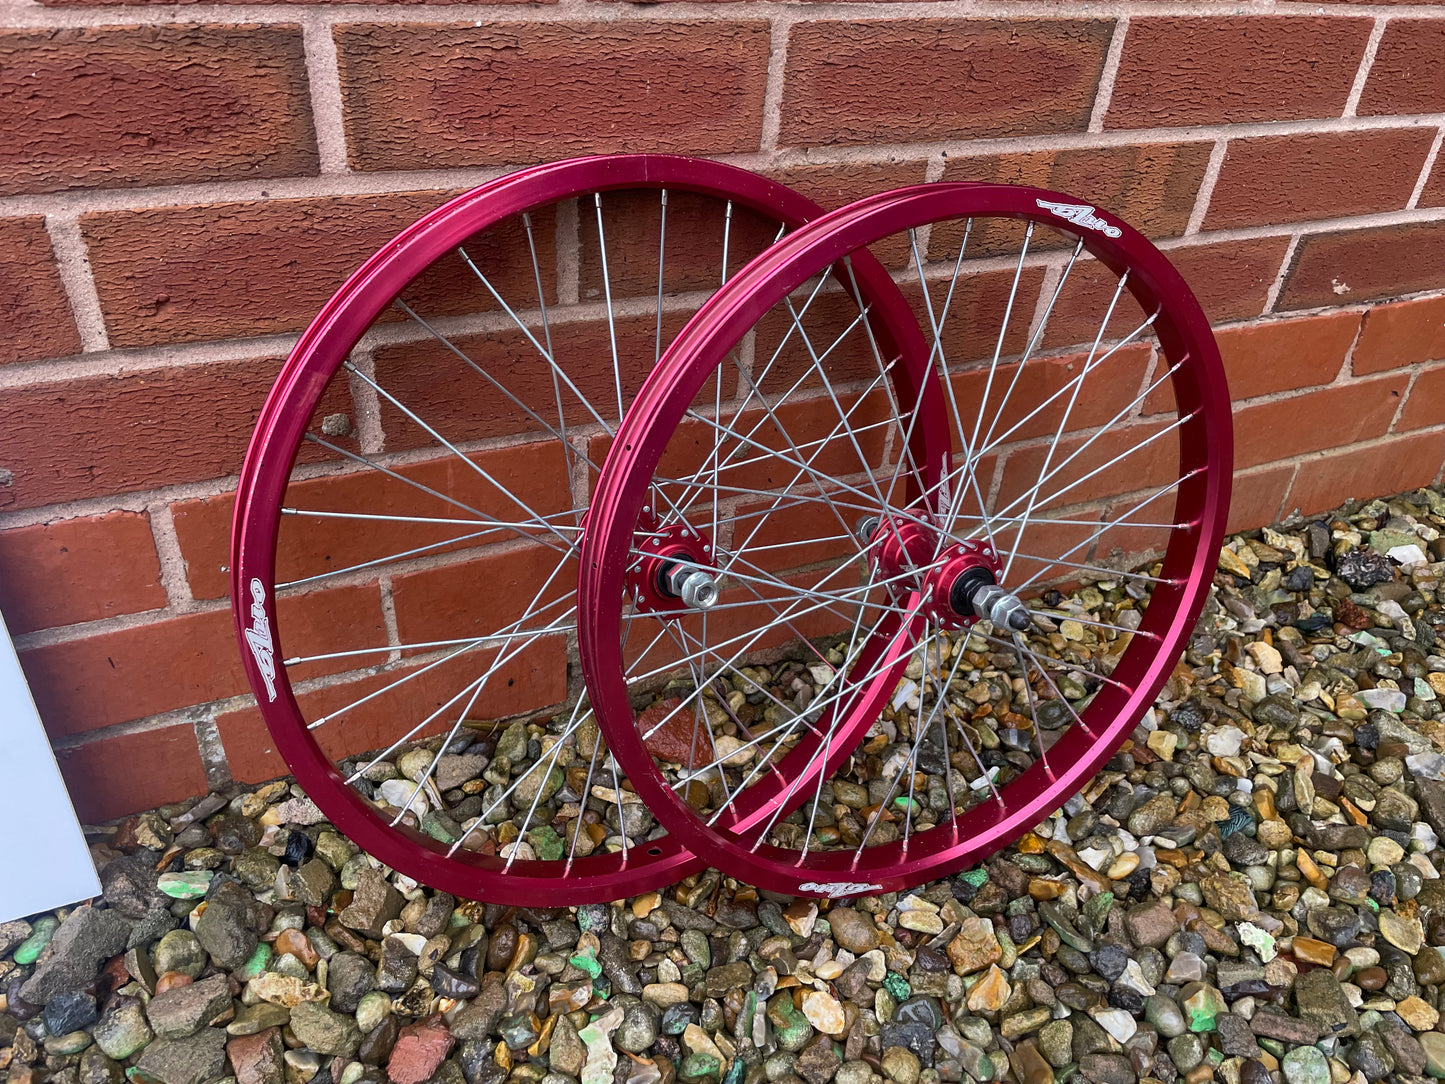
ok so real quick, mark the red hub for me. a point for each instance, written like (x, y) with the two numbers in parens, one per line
(951, 582)
(666, 578)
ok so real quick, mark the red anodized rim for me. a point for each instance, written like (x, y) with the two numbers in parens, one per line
(1205, 448)
(268, 465)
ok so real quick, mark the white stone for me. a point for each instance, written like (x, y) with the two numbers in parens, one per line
(1407, 555)
(1384, 699)
(397, 792)
(1224, 741)
(1118, 1023)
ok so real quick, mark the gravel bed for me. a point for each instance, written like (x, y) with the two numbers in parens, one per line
(1250, 891)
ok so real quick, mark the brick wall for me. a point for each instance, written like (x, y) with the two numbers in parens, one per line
(182, 186)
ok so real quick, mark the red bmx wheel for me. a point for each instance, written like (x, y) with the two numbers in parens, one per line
(406, 523)
(936, 577)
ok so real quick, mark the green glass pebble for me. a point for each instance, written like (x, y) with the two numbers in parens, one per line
(546, 842)
(29, 950)
(897, 985)
(700, 1067)
(256, 963)
(735, 1072)
(434, 828)
(185, 886)
(587, 962)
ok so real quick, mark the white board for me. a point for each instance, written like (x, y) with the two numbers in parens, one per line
(44, 862)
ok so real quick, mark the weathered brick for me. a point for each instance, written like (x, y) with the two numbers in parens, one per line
(1150, 185)
(222, 270)
(1390, 466)
(1401, 333)
(37, 320)
(119, 106)
(458, 401)
(1185, 70)
(76, 570)
(310, 546)
(179, 3)
(1255, 496)
(462, 95)
(99, 435)
(1327, 418)
(1133, 457)
(1407, 76)
(127, 773)
(1433, 194)
(1329, 175)
(1231, 279)
(116, 677)
(535, 677)
(836, 185)
(1425, 405)
(906, 80)
(692, 260)
(1362, 265)
(1032, 401)
(1283, 355)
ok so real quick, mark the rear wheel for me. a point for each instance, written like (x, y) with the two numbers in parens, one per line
(408, 517)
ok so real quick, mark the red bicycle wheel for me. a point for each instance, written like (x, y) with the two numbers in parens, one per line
(901, 518)
(406, 523)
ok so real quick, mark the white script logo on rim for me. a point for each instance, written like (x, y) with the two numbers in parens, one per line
(839, 888)
(1080, 214)
(259, 637)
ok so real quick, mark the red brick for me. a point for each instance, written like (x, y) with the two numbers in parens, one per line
(37, 321)
(1152, 465)
(907, 80)
(1151, 185)
(1391, 466)
(1255, 497)
(835, 186)
(220, 270)
(128, 773)
(749, 463)
(1425, 406)
(1107, 389)
(99, 435)
(464, 95)
(1186, 70)
(1402, 333)
(1231, 279)
(970, 331)
(115, 677)
(77, 570)
(1329, 175)
(461, 404)
(309, 546)
(696, 226)
(1328, 418)
(182, 3)
(1285, 355)
(1363, 265)
(537, 677)
(121, 106)
(484, 594)
(1407, 76)
(1433, 194)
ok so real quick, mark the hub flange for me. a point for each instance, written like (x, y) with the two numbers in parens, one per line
(674, 574)
(959, 585)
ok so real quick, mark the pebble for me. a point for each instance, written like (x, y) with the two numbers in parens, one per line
(1249, 888)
